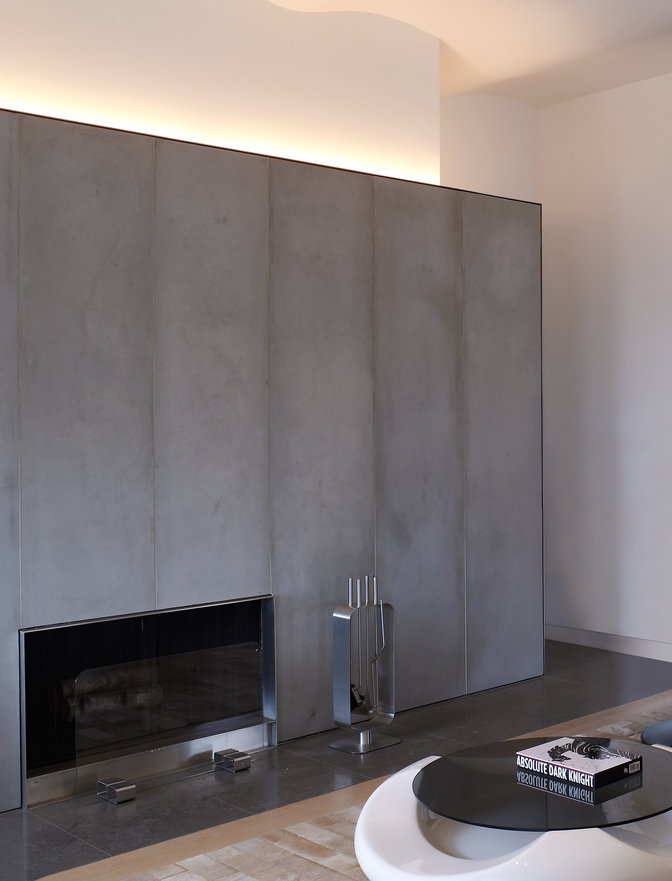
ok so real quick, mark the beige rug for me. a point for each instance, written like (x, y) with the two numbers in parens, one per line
(318, 850)
(313, 839)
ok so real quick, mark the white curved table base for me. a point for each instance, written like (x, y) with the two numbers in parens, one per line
(390, 846)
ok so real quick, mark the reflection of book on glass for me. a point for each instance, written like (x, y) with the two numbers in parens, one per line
(580, 761)
(586, 794)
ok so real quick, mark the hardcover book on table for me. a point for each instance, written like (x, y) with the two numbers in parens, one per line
(580, 761)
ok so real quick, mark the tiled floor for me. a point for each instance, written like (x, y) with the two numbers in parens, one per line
(578, 681)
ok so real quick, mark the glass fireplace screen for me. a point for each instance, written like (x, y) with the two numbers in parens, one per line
(115, 687)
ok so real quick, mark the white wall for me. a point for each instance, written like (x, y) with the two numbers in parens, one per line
(602, 168)
(606, 189)
(348, 89)
(489, 145)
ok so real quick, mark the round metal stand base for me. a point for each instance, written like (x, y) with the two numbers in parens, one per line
(366, 743)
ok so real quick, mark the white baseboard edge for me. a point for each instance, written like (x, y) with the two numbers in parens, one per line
(627, 645)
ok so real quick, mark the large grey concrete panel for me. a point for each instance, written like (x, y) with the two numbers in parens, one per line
(85, 371)
(10, 778)
(321, 413)
(212, 507)
(419, 426)
(503, 518)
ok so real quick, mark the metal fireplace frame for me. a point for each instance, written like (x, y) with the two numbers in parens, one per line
(183, 758)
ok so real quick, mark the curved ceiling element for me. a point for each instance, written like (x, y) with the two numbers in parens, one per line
(538, 51)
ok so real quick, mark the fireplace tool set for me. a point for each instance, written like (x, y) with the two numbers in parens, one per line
(363, 667)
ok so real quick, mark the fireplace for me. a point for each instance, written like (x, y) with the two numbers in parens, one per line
(144, 695)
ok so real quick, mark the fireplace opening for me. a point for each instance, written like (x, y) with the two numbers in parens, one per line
(96, 691)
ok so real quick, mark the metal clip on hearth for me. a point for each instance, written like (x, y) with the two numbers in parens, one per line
(231, 760)
(116, 790)
(363, 667)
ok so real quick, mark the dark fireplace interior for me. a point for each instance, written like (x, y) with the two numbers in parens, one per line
(107, 688)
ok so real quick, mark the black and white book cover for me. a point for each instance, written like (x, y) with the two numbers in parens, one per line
(581, 761)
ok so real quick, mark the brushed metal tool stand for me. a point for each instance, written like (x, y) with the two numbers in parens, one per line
(363, 668)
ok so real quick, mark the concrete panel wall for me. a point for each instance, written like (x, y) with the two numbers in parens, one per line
(303, 374)
(419, 430)
(10, 777)
(503, 526)
(321, 420)
(212, 516)
(86, 372)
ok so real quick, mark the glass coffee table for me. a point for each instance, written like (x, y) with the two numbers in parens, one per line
(475, 812)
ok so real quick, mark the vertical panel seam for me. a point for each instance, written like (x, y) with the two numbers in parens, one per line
(374, 378)
(19, 463)
(269, 321)
(269, 486)
(153, 379)
(19, 326)
(541, 439)
(465, 439)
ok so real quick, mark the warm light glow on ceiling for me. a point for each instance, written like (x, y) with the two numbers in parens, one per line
(347, 90)
(326, 154)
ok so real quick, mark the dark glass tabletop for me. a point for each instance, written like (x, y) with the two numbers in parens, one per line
(482, 786)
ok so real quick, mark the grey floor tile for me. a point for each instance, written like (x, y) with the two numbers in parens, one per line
(412, 747)
(624, 676)
(33, 847)
(277, 777)
(156, 814)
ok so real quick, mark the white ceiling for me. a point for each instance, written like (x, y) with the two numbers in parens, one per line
(538, 51)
